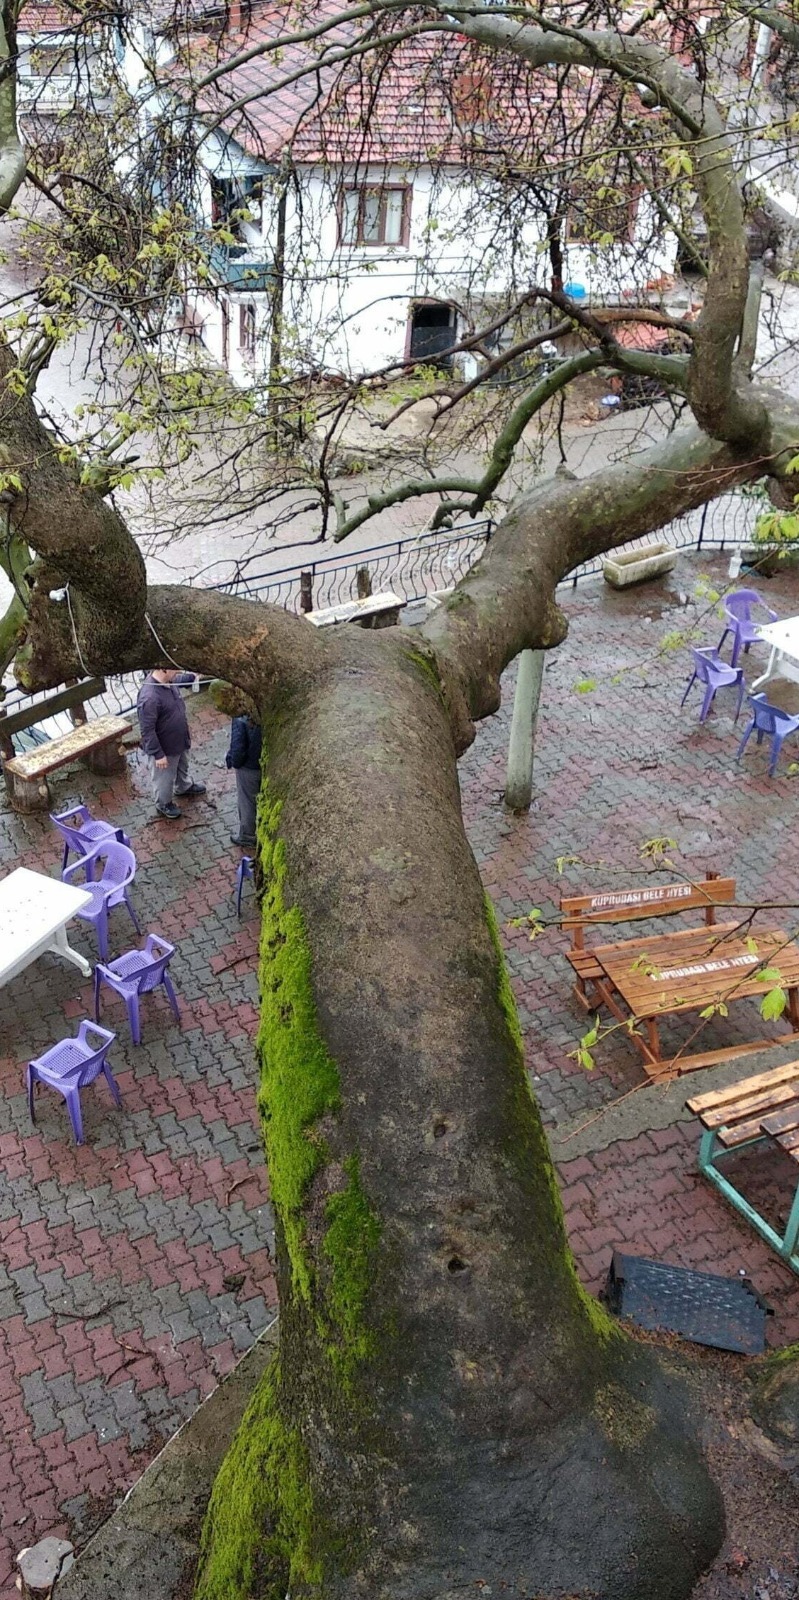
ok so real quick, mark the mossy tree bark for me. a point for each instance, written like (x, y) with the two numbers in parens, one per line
(450, 1408)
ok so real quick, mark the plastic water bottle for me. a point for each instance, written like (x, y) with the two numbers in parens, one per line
(734, 568)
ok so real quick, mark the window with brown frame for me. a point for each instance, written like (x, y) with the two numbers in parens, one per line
(247, 328)
(601, 213)
(375, 215)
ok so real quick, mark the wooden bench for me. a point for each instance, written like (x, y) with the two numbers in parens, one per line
(583, 911)
(761, 1109)
(30, 713)
(372, 611)
(641, 981)
(95, 741)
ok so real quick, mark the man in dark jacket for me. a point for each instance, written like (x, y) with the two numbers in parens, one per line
(165, 738)
(244, 756)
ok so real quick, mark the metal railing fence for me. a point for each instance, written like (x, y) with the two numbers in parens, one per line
(413, 568)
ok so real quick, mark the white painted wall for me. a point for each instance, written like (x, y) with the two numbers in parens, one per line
(347, 307)
(45, 89)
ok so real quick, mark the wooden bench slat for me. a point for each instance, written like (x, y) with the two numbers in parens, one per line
(782, 1121)
(626, 905)
(59, 752)
(790, 1143)
(741, 1133)
(584, 962)
(759, 1081)
(725, 1116)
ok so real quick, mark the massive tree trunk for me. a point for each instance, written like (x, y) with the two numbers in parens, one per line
(449, 1408)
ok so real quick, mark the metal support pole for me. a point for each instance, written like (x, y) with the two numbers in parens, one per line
(519, 781)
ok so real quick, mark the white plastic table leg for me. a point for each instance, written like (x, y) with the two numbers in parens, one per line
(769, 672)
(61, 946)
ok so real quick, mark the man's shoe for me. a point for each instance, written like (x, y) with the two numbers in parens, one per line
(193, 789)
(245, 844)
(171, 811)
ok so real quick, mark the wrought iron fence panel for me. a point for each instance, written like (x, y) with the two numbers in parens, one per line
(413, 568)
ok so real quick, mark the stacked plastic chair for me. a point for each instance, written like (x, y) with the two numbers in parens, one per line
(81, 832)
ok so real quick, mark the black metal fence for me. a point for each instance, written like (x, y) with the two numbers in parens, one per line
(413, 568)
(728, 521)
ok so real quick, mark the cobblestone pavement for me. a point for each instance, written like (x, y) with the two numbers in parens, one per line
(615, 767)
(135, 1269)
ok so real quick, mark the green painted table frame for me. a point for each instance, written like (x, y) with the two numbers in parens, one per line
(784, 1246)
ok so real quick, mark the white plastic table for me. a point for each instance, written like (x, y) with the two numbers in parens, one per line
(783, 636)
(34, 912)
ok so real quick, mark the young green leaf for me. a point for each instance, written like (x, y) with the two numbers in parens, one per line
(773, 1004)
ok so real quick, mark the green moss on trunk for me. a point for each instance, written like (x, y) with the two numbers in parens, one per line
(299, 1081)
(350, 1245)
(260, 1530)
(264, 1530)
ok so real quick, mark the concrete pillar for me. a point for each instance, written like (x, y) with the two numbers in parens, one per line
(519, 781)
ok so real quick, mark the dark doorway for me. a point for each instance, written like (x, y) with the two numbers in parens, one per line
(433, 333)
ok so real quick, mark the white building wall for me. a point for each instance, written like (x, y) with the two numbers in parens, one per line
(347, 307)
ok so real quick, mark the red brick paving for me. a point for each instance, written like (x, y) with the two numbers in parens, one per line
(115, 1320)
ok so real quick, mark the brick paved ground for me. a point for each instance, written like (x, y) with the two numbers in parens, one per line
(135, 1269)
(614, 768)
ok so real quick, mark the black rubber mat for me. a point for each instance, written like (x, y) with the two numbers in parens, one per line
(727, 1313)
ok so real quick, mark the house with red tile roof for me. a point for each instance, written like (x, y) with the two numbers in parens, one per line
(59, 61)
(382, 194)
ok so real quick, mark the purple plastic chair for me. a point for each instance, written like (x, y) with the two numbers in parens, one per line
(68, 1067)
(244, 871)
(134, 974)
(714, 674)
(769, 721)
(109, 868)
(81, 831)
(738, 608)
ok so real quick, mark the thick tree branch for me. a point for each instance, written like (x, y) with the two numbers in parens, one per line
(507, 440)
(718, 405)
(787, 27)
(506, 603)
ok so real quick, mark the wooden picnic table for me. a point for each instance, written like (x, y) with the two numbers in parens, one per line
(764, 1108)
(688, 971)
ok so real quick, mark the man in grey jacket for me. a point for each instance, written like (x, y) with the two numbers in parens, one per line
(165, 738)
